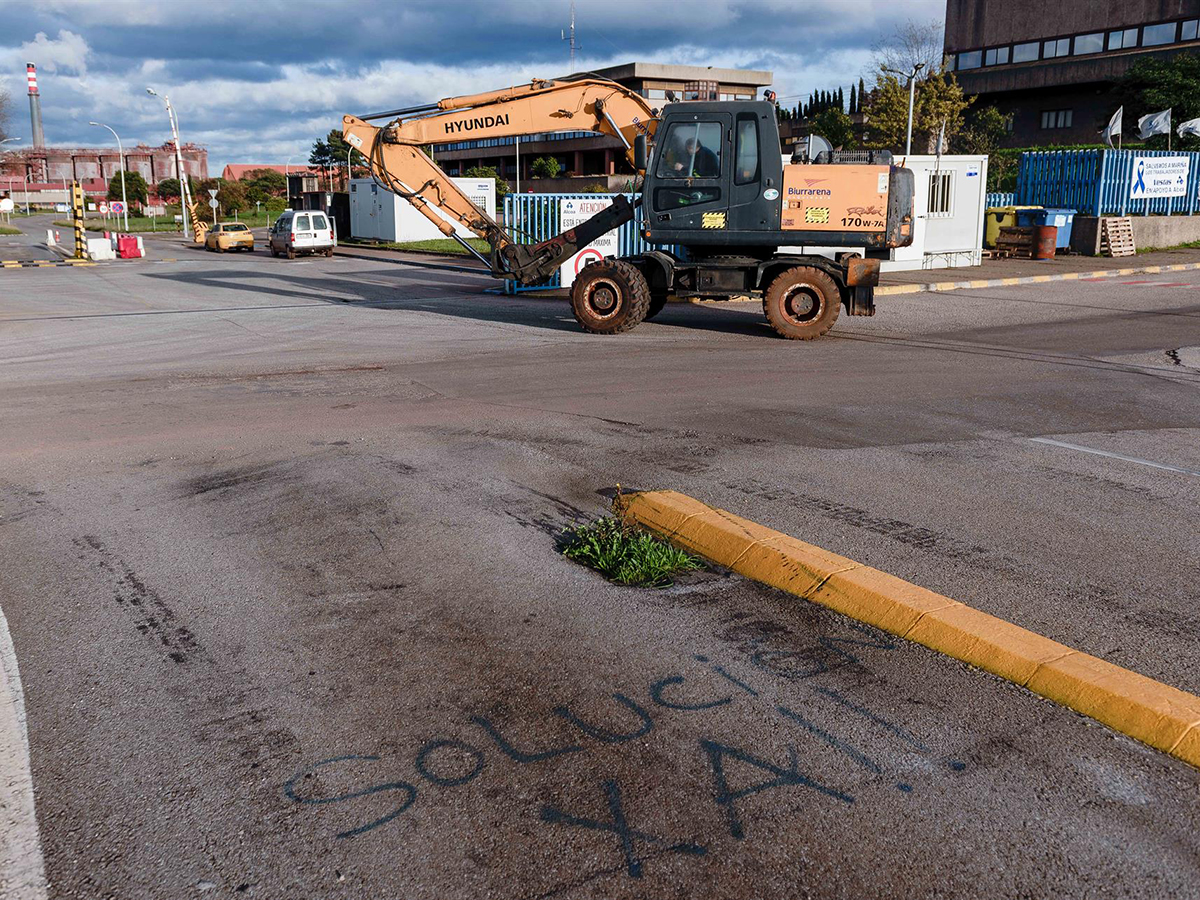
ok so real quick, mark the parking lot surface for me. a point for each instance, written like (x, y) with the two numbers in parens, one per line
(283, 583)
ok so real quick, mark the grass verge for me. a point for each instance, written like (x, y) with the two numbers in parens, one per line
(4, 229)
(444, 246)
(625, 555)
(1189, 245)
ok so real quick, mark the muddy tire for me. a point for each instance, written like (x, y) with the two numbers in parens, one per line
(609, 297)
(802, 303)
(657, 302)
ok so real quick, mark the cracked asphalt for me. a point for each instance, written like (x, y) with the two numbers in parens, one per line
(282, 579)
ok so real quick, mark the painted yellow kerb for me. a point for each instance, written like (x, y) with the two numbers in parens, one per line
(1152, 712)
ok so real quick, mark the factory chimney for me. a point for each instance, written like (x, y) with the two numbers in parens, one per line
(35, 107)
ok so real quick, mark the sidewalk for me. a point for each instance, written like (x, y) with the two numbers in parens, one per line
(1005, 272)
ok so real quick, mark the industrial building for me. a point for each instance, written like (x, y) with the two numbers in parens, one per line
(1054, 70)
(53, 164)
(582, 153)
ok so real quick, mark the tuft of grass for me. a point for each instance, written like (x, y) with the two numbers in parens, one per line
(4, 229)
(625, 555)
(444, 246)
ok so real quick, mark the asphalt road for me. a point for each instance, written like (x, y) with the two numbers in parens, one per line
(282, 581)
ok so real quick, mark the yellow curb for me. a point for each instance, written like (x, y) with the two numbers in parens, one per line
(1154, 713)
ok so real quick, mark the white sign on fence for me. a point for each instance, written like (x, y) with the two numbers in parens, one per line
(1159, 176)
(6, 205)
(575, 212)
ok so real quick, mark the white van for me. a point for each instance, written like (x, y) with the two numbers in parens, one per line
(301, 231)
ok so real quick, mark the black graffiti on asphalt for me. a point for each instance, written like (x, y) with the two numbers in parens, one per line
(619, 827)
(451, 762)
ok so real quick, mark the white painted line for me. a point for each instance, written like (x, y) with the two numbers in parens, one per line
(1132, 459)
(22, 872)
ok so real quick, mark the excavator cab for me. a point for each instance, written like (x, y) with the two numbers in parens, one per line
(715, 176)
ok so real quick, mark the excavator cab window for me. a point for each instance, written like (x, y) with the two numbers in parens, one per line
(691, 150)
(746, 161)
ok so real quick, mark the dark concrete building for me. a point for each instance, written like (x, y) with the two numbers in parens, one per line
(1053, 65)
(582, 153)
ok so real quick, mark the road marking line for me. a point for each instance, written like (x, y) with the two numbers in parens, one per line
(22, 871)
(1111, 455)
(1154, 713)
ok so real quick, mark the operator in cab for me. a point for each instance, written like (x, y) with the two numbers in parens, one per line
(696, 161)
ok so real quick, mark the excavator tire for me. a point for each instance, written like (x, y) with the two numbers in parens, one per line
(609, 297)
(657, 302)
(802, 303)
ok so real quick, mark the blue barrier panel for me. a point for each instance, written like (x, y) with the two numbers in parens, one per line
(1001, 199)
(1097, 182)
(530, 218)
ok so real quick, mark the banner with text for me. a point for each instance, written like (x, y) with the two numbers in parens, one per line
(1159, 176)
(573, 212)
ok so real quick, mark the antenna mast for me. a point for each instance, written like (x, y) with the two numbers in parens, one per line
(572, 35)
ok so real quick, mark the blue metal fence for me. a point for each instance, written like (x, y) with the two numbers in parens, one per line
(530, 218)
(1097, 182)
(991, 200)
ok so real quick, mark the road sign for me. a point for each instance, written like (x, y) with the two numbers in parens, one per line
(117, 207)
(6, 205)
(213, 203)
(103, 208)
(212, 192)
(574, 212)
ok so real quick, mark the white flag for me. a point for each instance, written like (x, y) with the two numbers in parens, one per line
(1115, 124)
(1154, 123)
(1191, 126)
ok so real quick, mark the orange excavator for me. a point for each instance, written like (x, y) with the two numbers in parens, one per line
(715, 190)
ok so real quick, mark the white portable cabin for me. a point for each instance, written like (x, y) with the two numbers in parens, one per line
(948, 204)
(378, 214)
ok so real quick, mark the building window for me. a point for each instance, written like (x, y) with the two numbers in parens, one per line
(1052, 49)
(1025, 52)
(656, 94)
(941, 194)
(1122, 40)
(1187, 30)
(997, 56)
(972, 59)
(1153, 35)
(1089, 43)
(1057, 118)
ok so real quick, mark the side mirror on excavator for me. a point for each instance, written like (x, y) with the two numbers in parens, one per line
(639, 153)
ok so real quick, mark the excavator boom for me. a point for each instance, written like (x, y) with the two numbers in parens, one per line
(399, 162)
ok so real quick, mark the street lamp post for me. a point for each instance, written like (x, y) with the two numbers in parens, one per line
(287, 182)
(121, 154)
(185, 189)
(912, 89)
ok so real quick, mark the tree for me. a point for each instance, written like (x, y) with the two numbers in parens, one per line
(232, 197)
(836, 127)
(938, 100)
(862, 91)
(841, 100)
(911, 43)
(169, 189)
(334, 153)
(266, 181)
(136, 190)
(985, 129)
(545, 167)
(853, 100)
(488, 172)
(1152, 85)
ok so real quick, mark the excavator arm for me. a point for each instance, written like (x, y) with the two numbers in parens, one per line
(399, 162)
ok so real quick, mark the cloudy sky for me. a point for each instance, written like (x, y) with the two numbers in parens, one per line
(258, 80)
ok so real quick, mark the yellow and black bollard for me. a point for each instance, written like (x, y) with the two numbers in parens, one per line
(77, 220)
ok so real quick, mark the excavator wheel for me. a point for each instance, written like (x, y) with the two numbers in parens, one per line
(609, 297)
(802, 303)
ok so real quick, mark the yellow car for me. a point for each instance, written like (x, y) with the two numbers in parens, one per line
(229, 236)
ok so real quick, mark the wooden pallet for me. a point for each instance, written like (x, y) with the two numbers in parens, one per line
(1116, 237)
(1017, 242)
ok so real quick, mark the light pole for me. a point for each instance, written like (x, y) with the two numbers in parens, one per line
(287, 183)
(184, 188)
(912, 88)
(121, 154)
